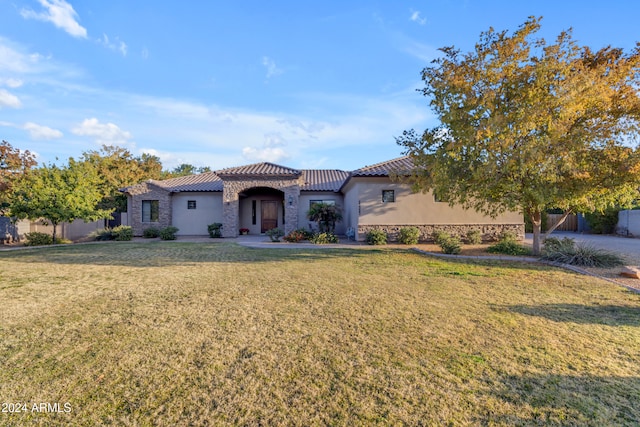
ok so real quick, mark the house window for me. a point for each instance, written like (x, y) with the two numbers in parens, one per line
(150, 210)
(326, 202)
(388, 196)
(253, 212)
(191, 204)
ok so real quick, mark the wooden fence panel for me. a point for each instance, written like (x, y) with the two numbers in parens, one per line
(569, 224)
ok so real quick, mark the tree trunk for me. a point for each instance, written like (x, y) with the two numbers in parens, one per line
(536, 220)
(54, 232)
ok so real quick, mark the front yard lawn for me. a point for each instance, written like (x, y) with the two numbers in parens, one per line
(171, 333)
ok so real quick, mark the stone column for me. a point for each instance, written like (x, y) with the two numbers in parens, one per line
(291, 210)
(230, 211)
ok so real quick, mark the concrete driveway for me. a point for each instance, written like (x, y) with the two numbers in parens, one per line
(630, 247)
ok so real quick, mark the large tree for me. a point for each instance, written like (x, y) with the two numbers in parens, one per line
(59, 194)
(118, 168)
(527, 126)
(13, 164)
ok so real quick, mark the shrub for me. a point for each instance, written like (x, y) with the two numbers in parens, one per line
(566, 251)
(509, 247)
(451, 245)
(440, 236)
(296, 236)
(508, 236)
(151, 232)
(474, 237)
(409, 235)
(323, 238)
(101, 234)
(602, 222)
(215, 229)
(376, 237)
(168, 233)
(36, 238)
(61, 241)
(122, 233)
(275, 234)
(553, 244)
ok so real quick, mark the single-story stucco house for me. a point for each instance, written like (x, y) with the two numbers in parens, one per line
(262, 196)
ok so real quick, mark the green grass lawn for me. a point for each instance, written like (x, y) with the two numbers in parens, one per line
(170, 333)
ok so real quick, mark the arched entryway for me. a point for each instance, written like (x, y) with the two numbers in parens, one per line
(275, 191)
(261, 209)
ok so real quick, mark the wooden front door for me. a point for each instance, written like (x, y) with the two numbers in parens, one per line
(269, 215)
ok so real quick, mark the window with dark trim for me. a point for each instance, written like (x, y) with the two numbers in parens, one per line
(326, 202)
(388, 196)
(253, 212)
(191, 204)
(150, 210)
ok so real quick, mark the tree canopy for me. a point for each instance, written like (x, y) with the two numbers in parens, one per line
(527, 125)
(59, 194)
(118, 168)
(13, 164)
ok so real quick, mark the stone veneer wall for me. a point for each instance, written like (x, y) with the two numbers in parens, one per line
(231, 202)
(490, 232)
(147, 191)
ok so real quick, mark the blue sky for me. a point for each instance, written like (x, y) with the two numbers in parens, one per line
(304, 84)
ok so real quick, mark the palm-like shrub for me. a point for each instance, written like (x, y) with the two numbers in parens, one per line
(325, 215)
(566, 251)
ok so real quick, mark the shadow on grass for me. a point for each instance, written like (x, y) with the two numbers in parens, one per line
(162, 254)
(613, 315)
(568, 400)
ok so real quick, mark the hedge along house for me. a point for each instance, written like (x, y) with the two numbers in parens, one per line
(262, 196)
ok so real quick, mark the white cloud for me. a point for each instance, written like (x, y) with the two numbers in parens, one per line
(9, 100)
(41, 132)
(265, 154)
(270, 65)
(59, 13)
(104, 133)
(415, 17)
(12, 83)
(117, 45)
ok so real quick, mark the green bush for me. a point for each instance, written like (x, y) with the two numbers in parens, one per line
(566, 251)
(474, 237)
(451, 245)
(215, 229)
(508, 236)
(36, 238)
(275, 234)
(409, 235)
(602, 222)
(553, 244)
(324, 238)
(151, 232)
(101, 234)
(122, 233)
(509, 247)
(440, 236)
(376, 237)
(168, 233)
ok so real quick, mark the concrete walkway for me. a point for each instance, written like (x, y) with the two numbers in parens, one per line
(629, 247)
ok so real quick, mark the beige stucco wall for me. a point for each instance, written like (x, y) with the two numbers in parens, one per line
(194, 221)
(304, 203)
(415, 208)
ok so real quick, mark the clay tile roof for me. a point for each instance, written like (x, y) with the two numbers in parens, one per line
(323, 179)
(399, 165)
(259, 169)
(207, 181)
